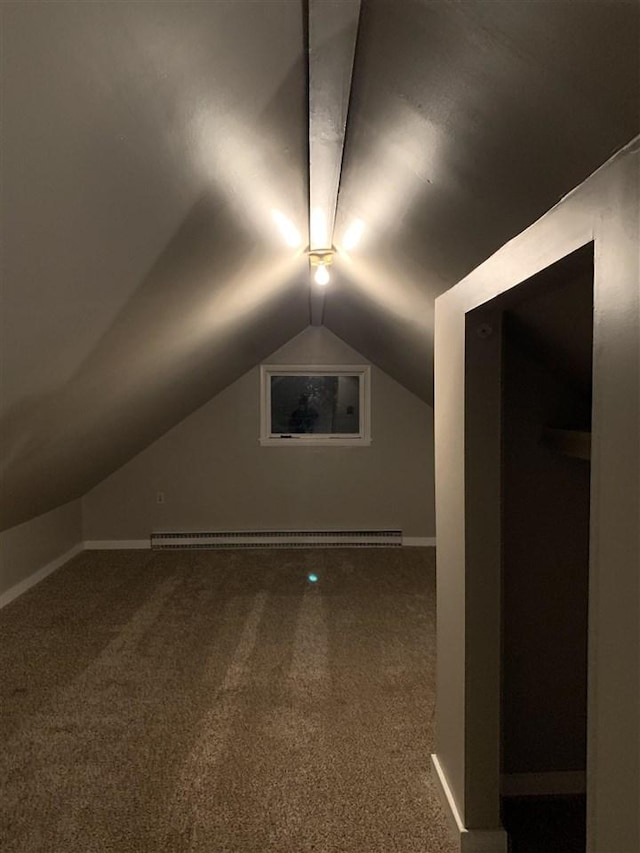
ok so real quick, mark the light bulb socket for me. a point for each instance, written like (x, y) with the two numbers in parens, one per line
(321, 257)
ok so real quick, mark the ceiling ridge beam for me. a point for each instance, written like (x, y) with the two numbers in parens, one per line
(332, 36)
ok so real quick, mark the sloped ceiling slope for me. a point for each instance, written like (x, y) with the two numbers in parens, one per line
(144, 147)
(468, 121)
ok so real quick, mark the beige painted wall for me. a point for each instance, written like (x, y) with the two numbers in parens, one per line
(29, 547)
(605, 209)
(214, 474)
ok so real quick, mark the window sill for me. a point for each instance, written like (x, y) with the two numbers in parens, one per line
(315, 442)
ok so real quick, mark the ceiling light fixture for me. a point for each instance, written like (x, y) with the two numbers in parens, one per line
(321, 260)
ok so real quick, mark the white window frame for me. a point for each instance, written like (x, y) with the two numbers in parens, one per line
(360, 439)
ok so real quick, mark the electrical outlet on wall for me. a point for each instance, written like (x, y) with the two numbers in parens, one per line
(160, 497)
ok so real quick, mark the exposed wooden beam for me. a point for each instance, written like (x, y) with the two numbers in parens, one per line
(333, 32)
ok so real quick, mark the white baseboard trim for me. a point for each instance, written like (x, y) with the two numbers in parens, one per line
(419, 541)
(553, 784)
(446, 796)
(483, 841)
(22, 586)
(117, 544)
(470, 840)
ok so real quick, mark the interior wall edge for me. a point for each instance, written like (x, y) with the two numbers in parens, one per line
(470, 840)
(603, 209)
(22, 586)
(34, 549)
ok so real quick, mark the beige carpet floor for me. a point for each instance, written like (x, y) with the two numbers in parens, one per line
(219, 701)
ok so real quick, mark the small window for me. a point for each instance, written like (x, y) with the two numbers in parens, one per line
(315, 404)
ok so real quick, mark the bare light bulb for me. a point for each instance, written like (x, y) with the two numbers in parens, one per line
(322, 275)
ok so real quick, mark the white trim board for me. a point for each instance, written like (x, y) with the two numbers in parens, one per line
(117, 544)
(419, 541)
(470, 840)
(39, 575)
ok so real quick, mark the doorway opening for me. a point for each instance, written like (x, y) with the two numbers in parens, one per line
(545, 331)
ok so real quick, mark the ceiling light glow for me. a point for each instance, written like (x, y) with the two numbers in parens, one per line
(353, 235)
(288, 230)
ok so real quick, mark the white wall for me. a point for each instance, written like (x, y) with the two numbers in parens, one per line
(605, 209)
(215, 475)
(29, 550)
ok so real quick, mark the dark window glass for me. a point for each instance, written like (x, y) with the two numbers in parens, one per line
(324, 405)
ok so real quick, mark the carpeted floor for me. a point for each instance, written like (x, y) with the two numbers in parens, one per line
(220, 701)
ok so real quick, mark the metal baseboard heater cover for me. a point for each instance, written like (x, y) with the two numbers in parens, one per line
(278, 539)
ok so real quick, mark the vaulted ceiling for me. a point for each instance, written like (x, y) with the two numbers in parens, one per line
(145, 145)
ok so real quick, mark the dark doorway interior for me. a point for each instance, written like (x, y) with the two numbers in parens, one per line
(545, 824)
(547, 336)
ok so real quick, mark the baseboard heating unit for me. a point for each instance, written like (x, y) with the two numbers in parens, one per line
(279, 539)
